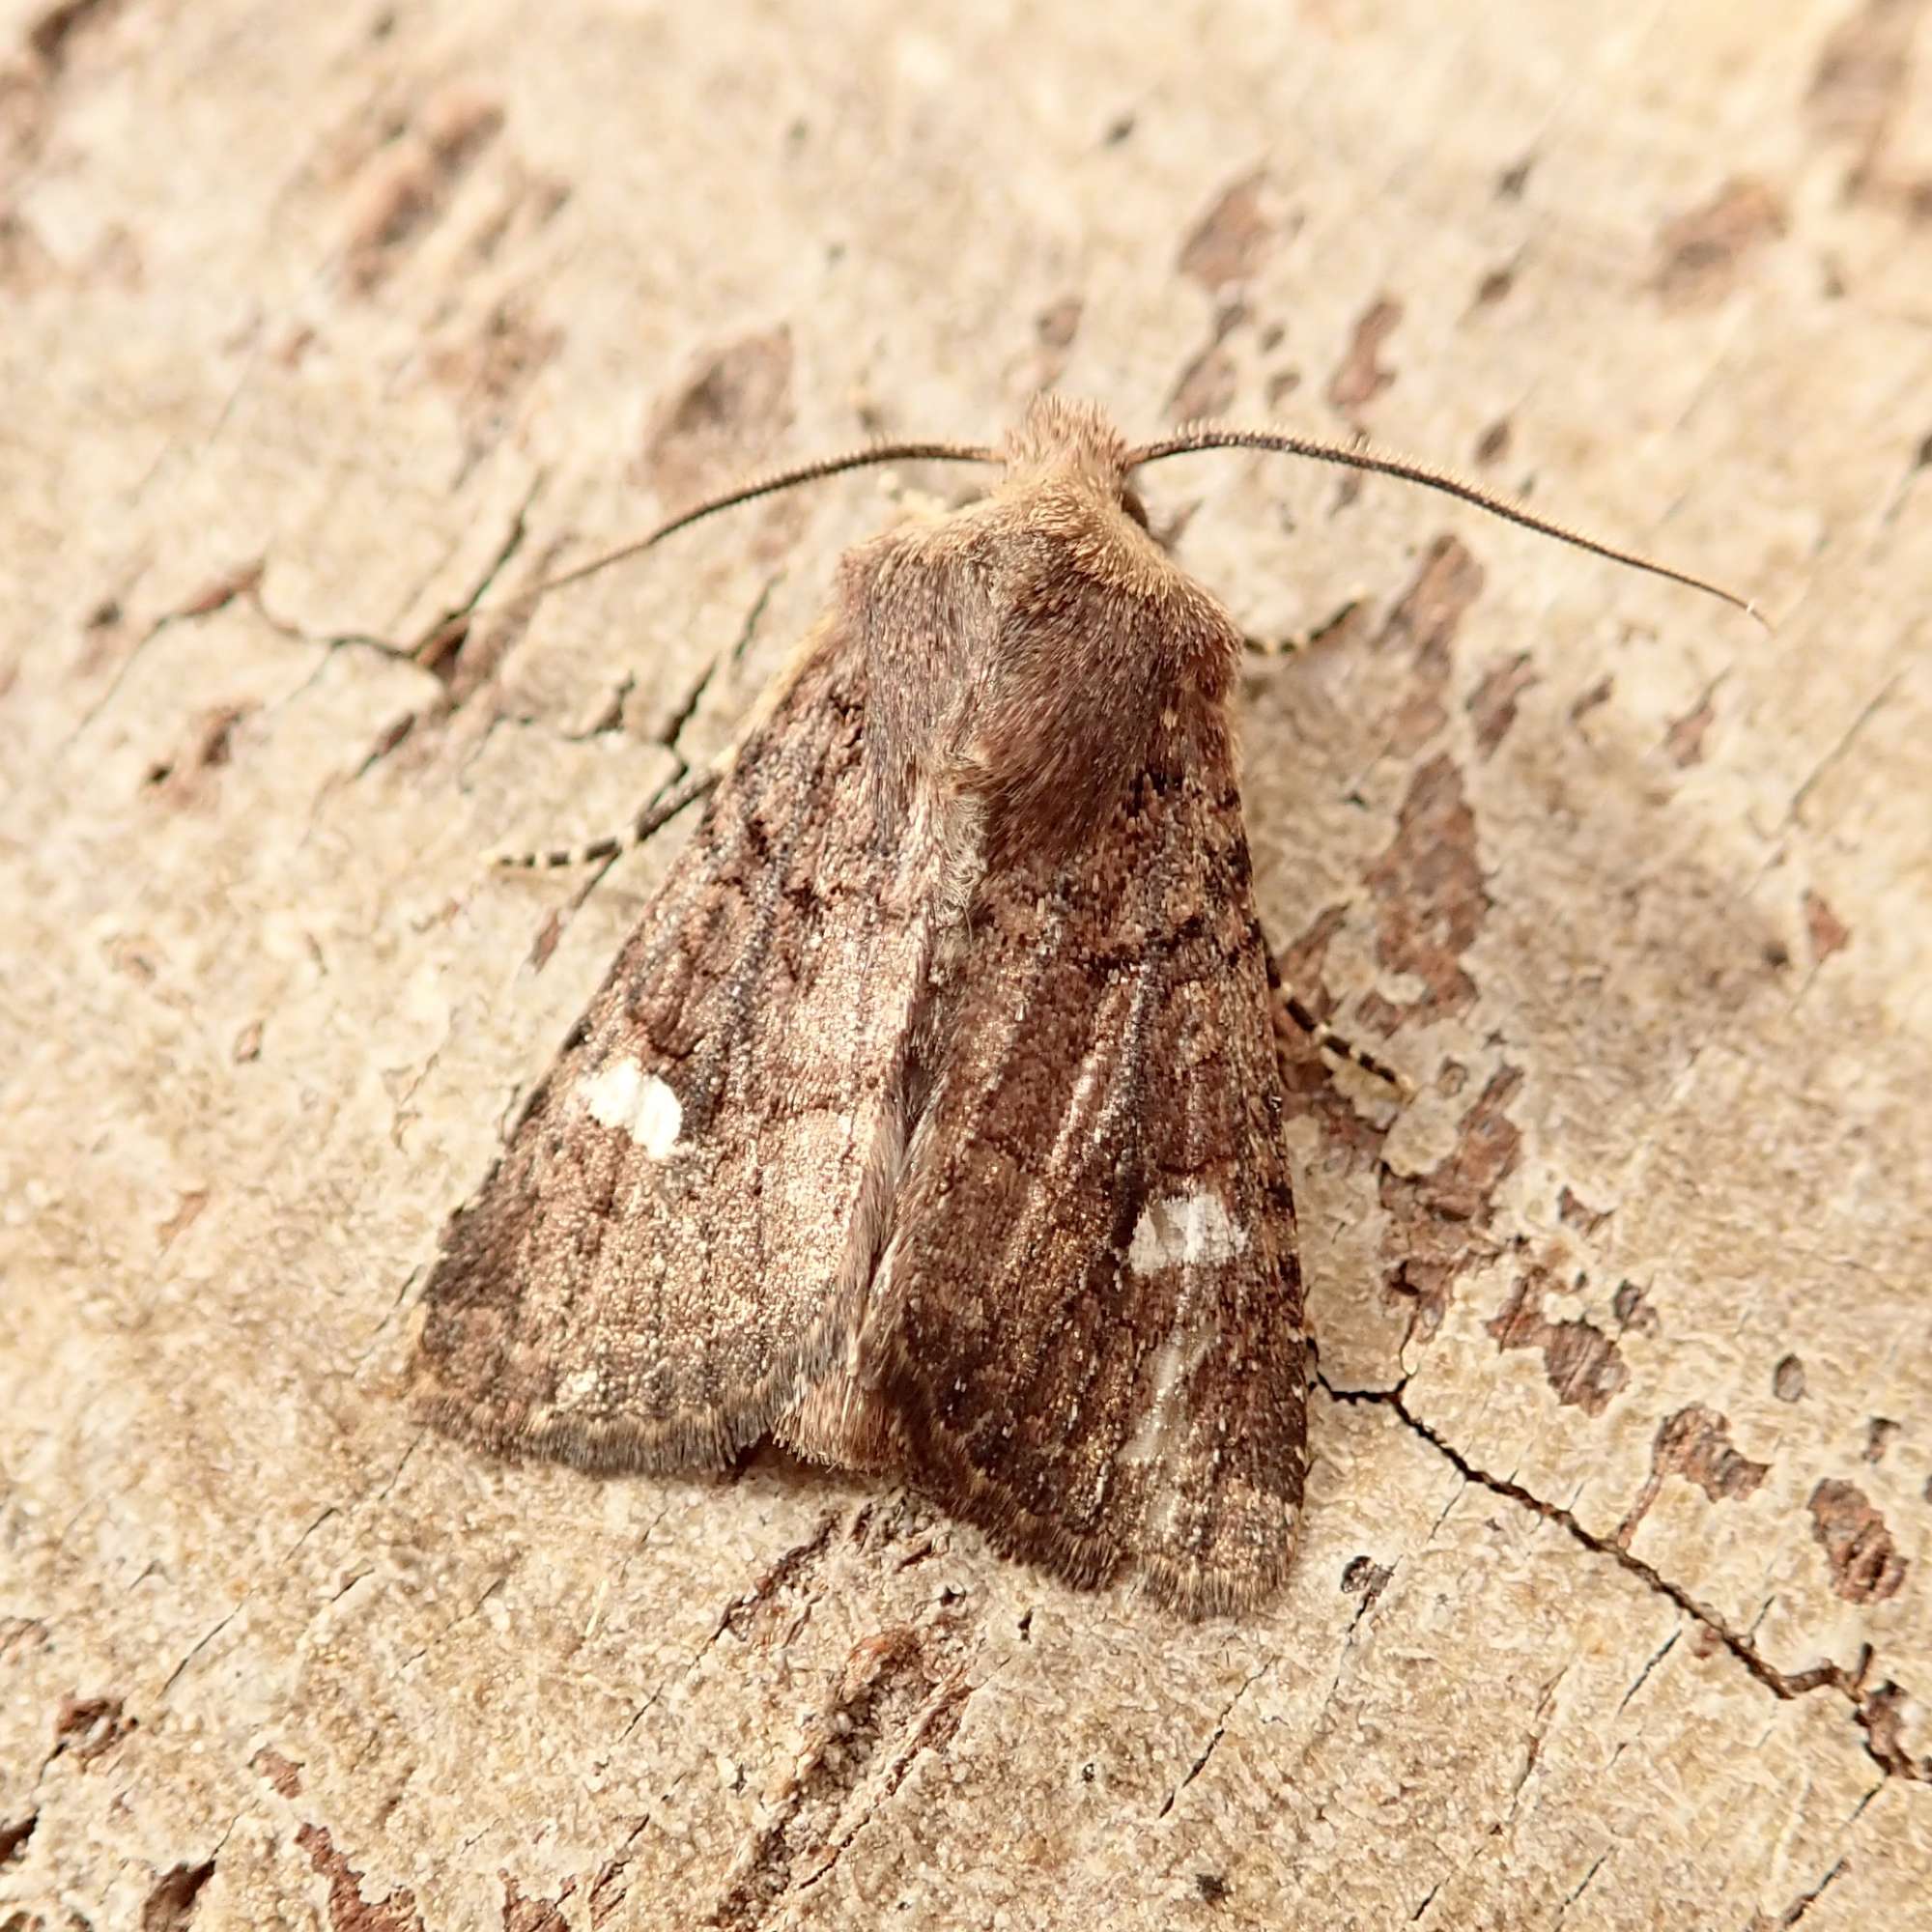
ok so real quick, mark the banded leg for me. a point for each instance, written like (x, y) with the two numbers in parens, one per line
(657, 814)
(1289, 1005)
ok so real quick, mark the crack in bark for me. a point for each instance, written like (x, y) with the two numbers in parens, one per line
(199, 1647)
(1793, 814)
(1869, 1710)
(402, 1463)
(1656, 1658)
(456, 1622)
(1582, 1885)
(1219, 1732)
(1805, 1900)
(433, 653)
(685, 712)
(785, 1568)
(609, 720)
(753, 618)
(854, 1751)
(244, 582)
(1533, 1750)
(1368, 1601)
(933, 1728)
(607, 1891)
(430, 652)
(782, 1571)
(244, 586)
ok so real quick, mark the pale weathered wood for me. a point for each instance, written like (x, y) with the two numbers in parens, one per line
(1612, 1608)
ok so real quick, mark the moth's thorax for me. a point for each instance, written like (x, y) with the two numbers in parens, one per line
(1030, 648)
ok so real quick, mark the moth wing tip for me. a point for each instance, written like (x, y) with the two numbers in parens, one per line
(1244, 1579)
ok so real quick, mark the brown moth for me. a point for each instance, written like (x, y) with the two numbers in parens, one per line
(930, 1121)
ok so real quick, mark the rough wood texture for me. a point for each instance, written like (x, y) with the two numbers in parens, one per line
(1612, 1604)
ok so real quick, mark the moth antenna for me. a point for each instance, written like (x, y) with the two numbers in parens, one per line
(762, 485)
(1360, 454)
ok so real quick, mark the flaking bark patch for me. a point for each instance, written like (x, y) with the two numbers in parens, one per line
(348, 1909)
(1865, 1564)
(1703, 251)
(738, 399)
(1695, 1444)
(1583, 1365)
(1231, 238)
(1362, 375)
(1430, 896)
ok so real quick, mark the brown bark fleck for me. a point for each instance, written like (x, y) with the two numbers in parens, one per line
(1428, 886)
(1883, 1718)
(1830, 933)
(1695, 1444)
(1703, 250)
(1059, 322)
(408, 187)
(14, 1836)
(1597, 693)
(188, 1210)
(1436, 1218)
(491, 361)
(1426, 620)
(348, 1909)
(1492, 706)
(1865, 1564)
(1206, 385)
(282, 1772)
(522, 1913)
(1582, 1364)
(1631, 1307)
(1684, 742)
(87, 1728)
(1863, 74)
(169, 1906)
(1232, 239)
(1576, 1212)
(737, 403)
(1054, 330)
(1361, 376)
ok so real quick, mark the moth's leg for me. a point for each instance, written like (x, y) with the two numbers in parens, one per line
(659, 812)
(1289, 1003)
(1295, 642)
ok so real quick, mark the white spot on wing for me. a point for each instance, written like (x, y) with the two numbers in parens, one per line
(576, 1389)
(1185, 1231)
(620, 1094)
(660, 1118)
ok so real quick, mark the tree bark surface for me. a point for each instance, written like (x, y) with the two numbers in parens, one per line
(319, 323)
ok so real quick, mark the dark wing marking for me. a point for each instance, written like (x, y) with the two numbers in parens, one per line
(678, 1230)
(1087, 1322)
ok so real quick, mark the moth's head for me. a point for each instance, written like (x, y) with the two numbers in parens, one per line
(1060, 439)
